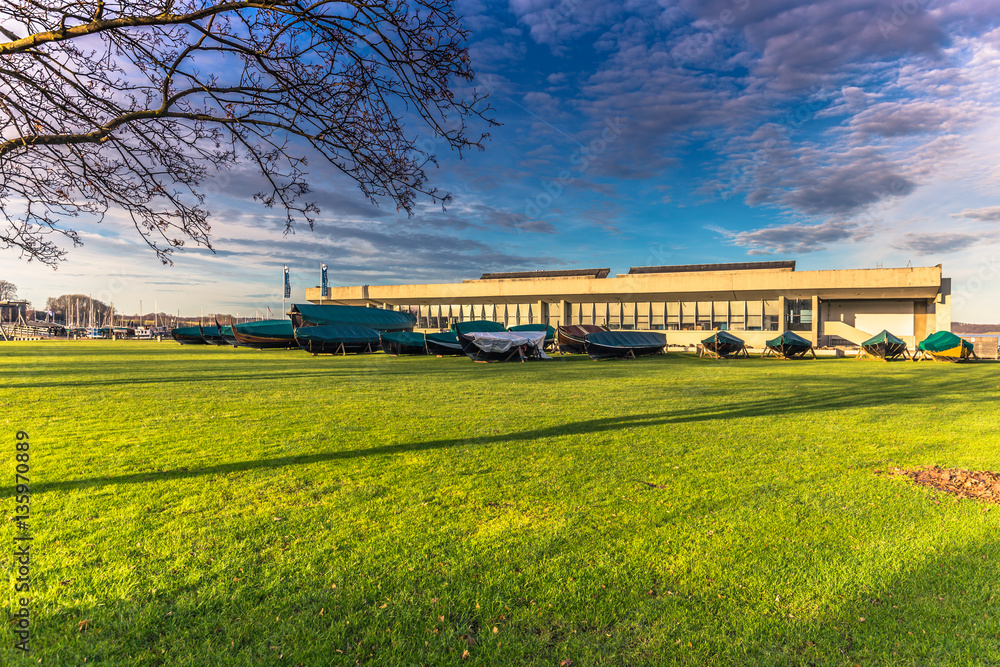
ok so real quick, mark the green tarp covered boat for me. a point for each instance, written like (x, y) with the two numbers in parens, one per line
(721, 345)
(789, 345)
(265, 334)
(336, 339)
(212, 335)
(479, 326)
(403, 342)
(188, 335)
(623, 344)
(884, 346)
(227, 334)
(945, 346)
(443, 344)
(310, 314)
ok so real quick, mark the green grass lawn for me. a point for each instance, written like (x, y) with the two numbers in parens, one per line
(219, 506)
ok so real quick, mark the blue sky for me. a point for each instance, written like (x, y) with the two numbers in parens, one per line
(840, 134)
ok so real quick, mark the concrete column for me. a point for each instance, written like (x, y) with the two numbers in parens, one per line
(543, 312)
(565, 312)
(942, 307)
(782, 316)
(815, 322)
(921, 322)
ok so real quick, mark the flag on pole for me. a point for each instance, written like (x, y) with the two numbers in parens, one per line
(288, 285)
(325, 292)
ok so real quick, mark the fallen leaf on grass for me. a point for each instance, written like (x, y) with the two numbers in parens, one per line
(83, 625)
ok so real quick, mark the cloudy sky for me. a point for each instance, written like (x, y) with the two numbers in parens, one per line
(840, 134)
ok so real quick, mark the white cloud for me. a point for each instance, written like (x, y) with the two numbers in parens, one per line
(987, 214)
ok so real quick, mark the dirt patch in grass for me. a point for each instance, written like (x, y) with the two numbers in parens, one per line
(978, 484)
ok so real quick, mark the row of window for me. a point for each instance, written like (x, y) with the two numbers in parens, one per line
(760, 315)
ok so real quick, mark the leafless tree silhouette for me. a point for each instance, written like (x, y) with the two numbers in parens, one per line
(132, 104)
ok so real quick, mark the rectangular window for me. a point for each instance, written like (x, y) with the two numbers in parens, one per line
(704, 315)
(799, 314)
(687, 315)
(673, 322)
(641, 315)
(737, 311)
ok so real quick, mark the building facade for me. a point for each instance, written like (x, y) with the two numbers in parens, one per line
(753, 300)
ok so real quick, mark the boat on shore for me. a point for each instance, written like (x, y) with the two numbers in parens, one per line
(623, 344)
(212, 335)
(310, 314)
(443, 344)
(227, 332)
(550, 332)
(884, 346)
(403, 342)
(723, 345)
(789, 345)
(336, 339)
(945, 346)
(487, 341)
(227, 335)
(188, 336)
(265, 334)
(571, 338)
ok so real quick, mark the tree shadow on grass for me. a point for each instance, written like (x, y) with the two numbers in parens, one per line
(926, 608)
(568, 371)
(818, 402)
(218, 374)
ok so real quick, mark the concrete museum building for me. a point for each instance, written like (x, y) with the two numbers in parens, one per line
(753, 300)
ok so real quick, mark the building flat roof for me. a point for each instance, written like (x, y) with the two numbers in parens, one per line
(731, 266)
(569, 273)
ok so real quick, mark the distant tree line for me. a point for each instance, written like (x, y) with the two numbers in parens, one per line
(965, 328)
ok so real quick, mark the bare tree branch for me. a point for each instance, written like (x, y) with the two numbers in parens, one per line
(132, 105)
